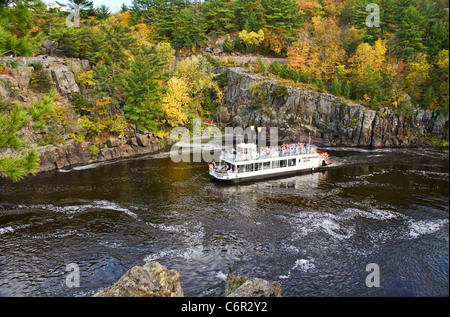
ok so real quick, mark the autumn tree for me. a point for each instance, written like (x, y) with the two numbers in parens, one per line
(197, 74)
(176, 103)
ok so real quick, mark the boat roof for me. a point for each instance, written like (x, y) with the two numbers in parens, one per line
(246, 145)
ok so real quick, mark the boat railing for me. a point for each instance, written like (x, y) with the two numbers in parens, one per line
(268, 153)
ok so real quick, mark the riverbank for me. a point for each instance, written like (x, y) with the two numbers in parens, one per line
(74, 154)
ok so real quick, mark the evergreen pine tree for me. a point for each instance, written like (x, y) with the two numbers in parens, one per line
(429, 97)
(336, 87)
(249, 15)
(219, 15)
(410, 31)
(143, 89)
(189, 29)
(25, 162)
(282, 15)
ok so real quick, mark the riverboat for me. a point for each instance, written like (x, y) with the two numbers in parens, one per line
(248, 163)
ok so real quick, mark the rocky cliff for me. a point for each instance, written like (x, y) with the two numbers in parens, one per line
(17, 87)
(258, 101)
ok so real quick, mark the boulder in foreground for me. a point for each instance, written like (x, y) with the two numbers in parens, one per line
(150, 280)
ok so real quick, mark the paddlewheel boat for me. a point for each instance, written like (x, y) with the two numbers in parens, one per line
(248, 163)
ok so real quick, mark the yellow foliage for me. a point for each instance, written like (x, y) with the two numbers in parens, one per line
(252, 38)
(84, 78)
(143, 34)
(369, 56)
(176, 102)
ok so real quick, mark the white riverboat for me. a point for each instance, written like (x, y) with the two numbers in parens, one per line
(248, 163)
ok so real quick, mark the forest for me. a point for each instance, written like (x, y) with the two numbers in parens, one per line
(402, 64)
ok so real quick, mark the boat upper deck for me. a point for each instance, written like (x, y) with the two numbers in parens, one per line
(249, 152)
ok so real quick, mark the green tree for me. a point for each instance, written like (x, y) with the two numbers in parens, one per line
(249, 15)
(189, 29)
(219, 15)
(228, 45)
(144, 89)
(160, 13)
(25, 162)
(16, 26)
(336, 87)
(411, 31)
(282, 15)
(116, 51)
(429, 97)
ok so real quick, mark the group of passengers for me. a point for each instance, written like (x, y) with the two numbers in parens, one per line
(225, 168)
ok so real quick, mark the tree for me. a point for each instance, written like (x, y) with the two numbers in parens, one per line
(144, 89)
(16, 30)
(160, 13)
(176, 102)
(219, 15)
(227, 45)
(189, 29)
(197, 74)
(429, 97)
(410, 31)
(282, 15)
(116, 51)
(166, 54)
(249, 15)
(336, 87)
(102, 12)
(17, 166)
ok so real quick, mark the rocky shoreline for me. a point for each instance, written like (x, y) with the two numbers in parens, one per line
(74, 154)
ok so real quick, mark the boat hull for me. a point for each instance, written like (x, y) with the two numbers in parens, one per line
(275, 175)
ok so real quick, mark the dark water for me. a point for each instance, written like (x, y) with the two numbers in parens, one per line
(313, 233)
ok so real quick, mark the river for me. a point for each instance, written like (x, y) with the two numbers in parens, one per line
(314, 233)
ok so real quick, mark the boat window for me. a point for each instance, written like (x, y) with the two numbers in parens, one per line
(283, 163)
(266, 165)
(276, 164)
(291, 162)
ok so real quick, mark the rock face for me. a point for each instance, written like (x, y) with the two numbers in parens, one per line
(150, 280)
(64, 80)
(73, 154)
(240, 286)
(327, 117)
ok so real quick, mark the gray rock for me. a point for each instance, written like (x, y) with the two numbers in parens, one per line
(330, 118)
(240, 286)
(113, 142)
(64, 79)
(150, 280)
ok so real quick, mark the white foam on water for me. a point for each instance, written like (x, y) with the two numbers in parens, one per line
(422, 227)
(192, 233)
(303, 265)
(6, 230)
(74, 209)
(222, 276)
(186, 254)
(373, 213)
(305, 223)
